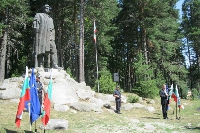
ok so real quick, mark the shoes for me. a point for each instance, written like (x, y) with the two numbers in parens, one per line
(118, 112)
(165, 118)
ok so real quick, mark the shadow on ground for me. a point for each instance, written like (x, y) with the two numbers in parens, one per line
(10, 131)
(150, 117)
(157, 113)
(192, 128)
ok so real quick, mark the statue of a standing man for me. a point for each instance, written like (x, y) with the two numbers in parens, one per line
(44, 42)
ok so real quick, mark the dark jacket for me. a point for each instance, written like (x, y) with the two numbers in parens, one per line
(163, 97)
(40, 88)
(117, 92)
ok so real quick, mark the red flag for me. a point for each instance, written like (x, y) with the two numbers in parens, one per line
(95, 31)
(47, 104)
(25, 96)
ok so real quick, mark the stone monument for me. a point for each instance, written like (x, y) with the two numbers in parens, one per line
(44, 41)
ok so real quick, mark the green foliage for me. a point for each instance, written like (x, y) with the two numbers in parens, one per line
(140, 41)
(146, 86)
(133, 99)
(184, 93)
(70, 73)
(147, 89)
(16, 74)
(106, 84)
(195, 94)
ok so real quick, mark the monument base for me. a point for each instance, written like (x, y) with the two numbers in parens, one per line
(47, 69)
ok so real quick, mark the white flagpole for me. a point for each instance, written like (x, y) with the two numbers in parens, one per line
(29, 111)
(51, 73)
(29, 115)
(96, 56)
(50, 79)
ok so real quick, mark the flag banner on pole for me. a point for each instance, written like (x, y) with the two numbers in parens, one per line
(95, 31)
(35, 108)
(169, 91)
(176, 97)
(47, 104)
(24, 97)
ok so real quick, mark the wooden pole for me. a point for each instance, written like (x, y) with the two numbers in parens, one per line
(29, 110)
(95, 43)
(97, 68)
(44, 129)
(176, 110)
(35, 127)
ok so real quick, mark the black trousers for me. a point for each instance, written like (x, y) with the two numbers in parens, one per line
(164, 108)
(40, 99)
(118, 105)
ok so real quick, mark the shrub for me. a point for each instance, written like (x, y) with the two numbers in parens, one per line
(195, 94)
(133, 99)
(147, 89)
(106, 84)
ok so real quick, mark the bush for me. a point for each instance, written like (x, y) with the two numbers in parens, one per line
(195, 94)
(133, 99)
(106, 84)
(68, 71)
(147, 89)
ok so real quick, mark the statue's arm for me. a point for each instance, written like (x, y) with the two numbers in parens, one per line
(52, 34)
(36, 24)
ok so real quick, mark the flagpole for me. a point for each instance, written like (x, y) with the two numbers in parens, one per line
(29, 104)
(29, 110)
(97, 68)
(95, 43)
(176, 110)
(50, 80)
(35, 127)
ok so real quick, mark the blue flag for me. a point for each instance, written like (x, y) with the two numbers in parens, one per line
(35, 109)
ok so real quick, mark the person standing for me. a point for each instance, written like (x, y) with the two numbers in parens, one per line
(164, 96)
(40, 89)
(117, 95)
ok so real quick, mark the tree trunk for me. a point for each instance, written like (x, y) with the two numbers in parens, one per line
(75, 48)
(81, 47)
(3, 50)
(3, 56)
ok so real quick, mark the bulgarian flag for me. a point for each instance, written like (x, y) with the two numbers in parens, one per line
(25, 96)
(47, 104)
(169, 91)
(95, 31)
(176, 97)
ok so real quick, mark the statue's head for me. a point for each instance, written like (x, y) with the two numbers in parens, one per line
(46, 8)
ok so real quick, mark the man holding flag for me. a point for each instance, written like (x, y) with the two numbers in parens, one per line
(164, 97)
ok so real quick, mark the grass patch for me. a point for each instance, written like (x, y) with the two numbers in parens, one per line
(92, 122)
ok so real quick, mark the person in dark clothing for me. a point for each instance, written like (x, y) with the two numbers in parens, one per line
(40, 89)
(164, 96)
(117, 95)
